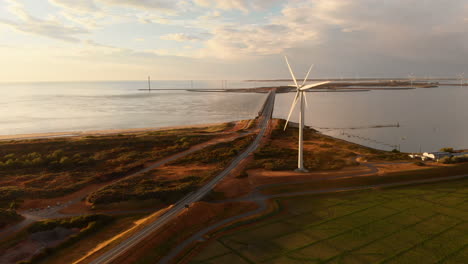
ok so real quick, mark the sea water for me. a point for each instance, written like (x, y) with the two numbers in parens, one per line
(424, 119)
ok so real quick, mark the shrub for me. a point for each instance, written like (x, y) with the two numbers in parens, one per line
(446, 160)
(9, 156)
(243, 174)
(65, 161)
(460, 159)
(74, 222)
(8, 216)
(88, 225)
(450, 150)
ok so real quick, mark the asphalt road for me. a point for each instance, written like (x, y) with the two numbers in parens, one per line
(113, 253)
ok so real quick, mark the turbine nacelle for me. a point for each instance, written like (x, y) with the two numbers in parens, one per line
(300, 88)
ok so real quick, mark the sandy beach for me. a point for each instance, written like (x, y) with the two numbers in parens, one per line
(97, 132)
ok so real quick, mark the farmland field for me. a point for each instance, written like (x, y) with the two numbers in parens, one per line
(417, 224)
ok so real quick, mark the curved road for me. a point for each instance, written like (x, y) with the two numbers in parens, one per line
(113, 253)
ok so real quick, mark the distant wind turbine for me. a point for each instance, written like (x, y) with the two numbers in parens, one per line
(461, 76)
(411, 78)
(300, 96)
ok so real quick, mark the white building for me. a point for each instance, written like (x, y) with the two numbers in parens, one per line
(438, 155)
(435, 155)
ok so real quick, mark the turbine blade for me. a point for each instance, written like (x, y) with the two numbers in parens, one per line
(313, 85)
(292, 109)
(305, 99)
(292, 74)
(307, 76)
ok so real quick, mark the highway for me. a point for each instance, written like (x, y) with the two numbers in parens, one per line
(113, 253)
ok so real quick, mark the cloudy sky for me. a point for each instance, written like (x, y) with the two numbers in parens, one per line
(55, 40)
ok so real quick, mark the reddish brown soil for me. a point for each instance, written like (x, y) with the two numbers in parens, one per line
(233, 185)
(173, 172)
(262, 177)
(238, 126)
(387, 168)
(41, 203)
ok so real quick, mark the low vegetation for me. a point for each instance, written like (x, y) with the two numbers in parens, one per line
(144, 187)
(220, 154)
(77, 250)
(166, 187)
(450, 150)
(320, 152)
(8, 216)
(54, 167)
(454, 159)
(87, 225)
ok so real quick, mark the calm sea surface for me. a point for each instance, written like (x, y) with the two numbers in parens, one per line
(428, 118)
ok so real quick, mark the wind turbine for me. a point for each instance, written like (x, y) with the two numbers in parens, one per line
(411, 78)
(300, 96)
(461, 76)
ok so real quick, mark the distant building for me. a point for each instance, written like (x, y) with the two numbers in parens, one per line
(435, 155)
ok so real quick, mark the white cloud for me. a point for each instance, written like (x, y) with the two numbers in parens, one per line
(163, 5)
(182, 37)
(83, 6)
(51, 27)
(367, 25)
(358, 33)
(243, 5)
(148, 18)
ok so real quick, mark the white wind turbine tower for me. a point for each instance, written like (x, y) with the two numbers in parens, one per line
(300, 96)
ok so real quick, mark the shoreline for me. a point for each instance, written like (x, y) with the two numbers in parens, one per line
(101, 132)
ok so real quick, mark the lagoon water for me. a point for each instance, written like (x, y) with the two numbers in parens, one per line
(428, 118)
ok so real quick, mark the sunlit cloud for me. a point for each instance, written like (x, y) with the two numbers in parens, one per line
(242, 5)
(162, 5)
(182, 37)
(84, 6)
(337, 34)
(51, 28)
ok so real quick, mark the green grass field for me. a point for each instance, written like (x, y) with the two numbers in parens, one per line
(417, 224)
